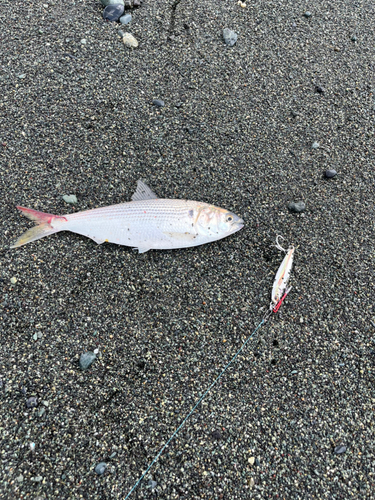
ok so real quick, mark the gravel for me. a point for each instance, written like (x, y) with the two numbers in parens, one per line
(165, 323)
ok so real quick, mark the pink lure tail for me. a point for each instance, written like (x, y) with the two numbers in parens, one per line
(44, 227)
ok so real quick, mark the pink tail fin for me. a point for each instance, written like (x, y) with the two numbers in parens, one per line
(43, 229)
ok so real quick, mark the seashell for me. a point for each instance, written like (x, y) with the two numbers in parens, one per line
(129, 40)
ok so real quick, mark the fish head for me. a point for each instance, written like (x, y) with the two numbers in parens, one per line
(217, 222)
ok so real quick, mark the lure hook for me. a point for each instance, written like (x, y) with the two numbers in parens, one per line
(278, 246)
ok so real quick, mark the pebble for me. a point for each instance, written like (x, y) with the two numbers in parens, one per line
(315, 145)
(241, 4)
(340, 449)
(86, 359)
(129, 40)
(251, 460)
(126, 19)
(113, 12)
(13, 280)
(307, 14)
(216, 435)
(22, 76)
(330, 173)
(105, 3)
(100, 468)
(70, 198)
(353, 38)
(296, 207)
(319, 89)
(230, 37)
(158, 103)
(83, 41)
(32, 402)
(152, 484)
(36, 479)
(19, 478)
(32, 446)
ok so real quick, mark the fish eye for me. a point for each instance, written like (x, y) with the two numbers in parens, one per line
(229, 218)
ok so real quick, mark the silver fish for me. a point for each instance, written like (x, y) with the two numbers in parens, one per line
(147, 222)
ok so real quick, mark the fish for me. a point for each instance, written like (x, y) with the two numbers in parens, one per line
(147, 222)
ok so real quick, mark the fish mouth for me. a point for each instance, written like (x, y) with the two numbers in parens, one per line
(238, 225)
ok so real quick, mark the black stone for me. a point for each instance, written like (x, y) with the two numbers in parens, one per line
(32, 402)
(319, 89)
(216, 435)
(340, 449)
(330, 173)
(296, 207)
(158, 103)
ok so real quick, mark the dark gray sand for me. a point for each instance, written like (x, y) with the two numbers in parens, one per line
(236, 130)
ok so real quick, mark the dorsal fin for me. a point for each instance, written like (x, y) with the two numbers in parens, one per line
(143, 192)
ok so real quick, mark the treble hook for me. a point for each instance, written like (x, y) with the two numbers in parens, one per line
(278, 246)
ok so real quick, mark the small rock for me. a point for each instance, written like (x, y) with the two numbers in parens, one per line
(307, 14)
(294, 372)
(13, 280)
(251, 482)
(230, 37)
(340, 449)
(100, 468)
(319, 89)
(330, 173)
(19, 478)
(113, 12)
(112, 2)
(126, 19)
(32, 402)
(129, 40)
(70, 198)
(22, 76)
(113, 455)
(152, 484)
(241, 4)
(353, 38)
(216, 435)
(315, 145)
(83, 41)
(251, 460)
(296, 207)
(158, 103)
(86, 359)
(36, 479)
(32, 446)
(35, 336)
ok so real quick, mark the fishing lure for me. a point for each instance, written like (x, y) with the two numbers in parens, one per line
(279, 289)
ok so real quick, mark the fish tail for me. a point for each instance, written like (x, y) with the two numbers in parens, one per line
(44, 228)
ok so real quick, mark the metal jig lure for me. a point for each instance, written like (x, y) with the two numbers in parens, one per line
(279, 289)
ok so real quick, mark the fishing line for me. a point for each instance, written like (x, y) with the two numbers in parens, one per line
(277, 297)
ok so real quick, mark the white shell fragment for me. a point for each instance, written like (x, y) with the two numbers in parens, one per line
(129, 40)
